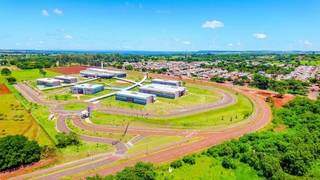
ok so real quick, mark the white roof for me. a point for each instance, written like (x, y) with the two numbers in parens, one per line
(162, 88)
(134, 94)
(48, 80)
(163, 80)
(65, 77)
(105, 71)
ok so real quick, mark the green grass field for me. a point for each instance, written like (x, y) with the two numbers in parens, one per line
(32, 74)
(223, 116)
(75, 106)
(207, 168)
(116, 136)
(84, 150)
(196, 95)
(151, 142)
(15, 119)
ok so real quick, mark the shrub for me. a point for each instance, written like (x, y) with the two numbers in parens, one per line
(189, 160)
(65, 140)
(176, 164)
(228, 163)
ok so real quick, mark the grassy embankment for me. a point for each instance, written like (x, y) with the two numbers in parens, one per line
(218, 117)
(31, 120)
(207, 168)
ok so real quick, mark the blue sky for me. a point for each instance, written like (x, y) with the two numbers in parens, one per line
(160, 25)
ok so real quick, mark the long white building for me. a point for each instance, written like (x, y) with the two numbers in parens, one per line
(163, 90)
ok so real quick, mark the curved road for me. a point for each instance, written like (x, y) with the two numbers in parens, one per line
(261, 116)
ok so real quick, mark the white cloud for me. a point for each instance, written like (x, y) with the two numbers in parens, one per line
(213, 24)
(230, 44)
(45, 12)
(186, 42)
(260, 35)
(41, 42)
(68, 36)
(58, 11)
(307, 43)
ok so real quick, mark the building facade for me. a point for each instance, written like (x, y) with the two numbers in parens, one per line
(49, 82)
(135, 97)
(87, 88)
(167, 82)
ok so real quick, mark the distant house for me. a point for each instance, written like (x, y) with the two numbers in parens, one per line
(49, 82)
(135, 97)
(87, 88)
(101, 73)
(67, 79)
(163, 90)
(167, 82)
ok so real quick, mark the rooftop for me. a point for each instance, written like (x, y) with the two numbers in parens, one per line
(88, 85)
(164, 80)
(65, 77)
(48, 80)
(165, 88)
(134, 94)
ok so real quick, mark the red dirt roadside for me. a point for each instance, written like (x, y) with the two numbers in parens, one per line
(4, 89)
(68, 70)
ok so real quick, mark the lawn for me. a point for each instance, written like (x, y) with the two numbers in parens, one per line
(65, 95)
(84, 150)
(196, 95)
(116, 136)
(75, 106)
(217, 117)
(207, 168)
(134, 75)
(15, 119)
(41, 114)
(152, 142)
(31, 74)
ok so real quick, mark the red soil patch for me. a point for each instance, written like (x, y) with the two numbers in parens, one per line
(26, 169)
(69, 69)
(4, 89)
(279, 102)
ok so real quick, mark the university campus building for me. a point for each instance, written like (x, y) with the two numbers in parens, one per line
(163, 90)
(49, 82)
(135, 97)
(167, 82)
(67, 79)
(87, 88)
(102, 73)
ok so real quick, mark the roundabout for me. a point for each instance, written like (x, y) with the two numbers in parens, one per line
(190, 127)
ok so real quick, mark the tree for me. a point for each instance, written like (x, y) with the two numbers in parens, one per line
(293, 164)
(42, 72)
(65, 140)
(5, 72)
(18, 150)
(141, 171)
(228, 163)
(260, 81)
(189, 160)
(129, 67)
(176, 164)
(218, 79)
(11, 80)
